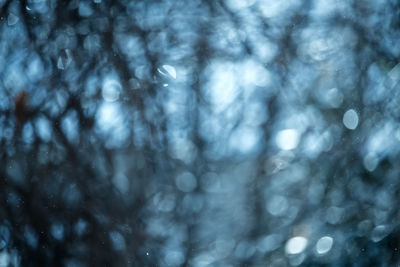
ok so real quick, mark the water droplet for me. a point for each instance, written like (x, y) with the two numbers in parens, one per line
(296, 245)
(287, 139)
(350, 119)
(12, 19)
(324, 244)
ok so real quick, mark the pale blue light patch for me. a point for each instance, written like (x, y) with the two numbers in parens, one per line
(183, 149)
(12, 19)
(167, 70)
(334, 215)
(70, 126)
(271, 8)
(265, 49)
(323, 9)
(277, 205)
(317, 44)
(174, 257)
(121, 182)
(331, 97)
(382, 141)
(223, 247)
(203, 259)
(186, 182)
(239, 5)
(287, 139)
(394, 74)
(57, 231)
(379, 233)
(85, 9)
(117, 241)
(211, 183)
(324, 245)
(255, 114)
(15, 172)
(4, 236)
(253, 73)
(371, 161)
(245, 249)
(110, 122)
(38, 6)
(222, 88)
(245, 139)
(71, 195)
(315, 143)
(350, 119)
(192, 203)
(27, 133)
(9, 258)
(164, 202)
(14, 77)
(43, 129)
(131, 46)
(92, 43)
(269, 243)
(35, 69)
(80, 227)
(30, 237)
(142, 72)
(64, 60)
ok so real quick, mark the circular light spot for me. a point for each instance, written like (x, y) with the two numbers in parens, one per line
(277, 205)
(350, 119)
(111, 90)
(296, 245)
(287, 139)
(324, 244)
(186, 182)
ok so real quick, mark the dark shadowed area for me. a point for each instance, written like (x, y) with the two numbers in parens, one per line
(199, 133)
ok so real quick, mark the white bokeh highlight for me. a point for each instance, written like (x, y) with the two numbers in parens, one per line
(350, 119)
(287, 139)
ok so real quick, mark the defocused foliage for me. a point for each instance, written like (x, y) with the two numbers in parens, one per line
(199, 133)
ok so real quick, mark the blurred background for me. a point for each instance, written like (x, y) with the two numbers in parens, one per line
(199, 133)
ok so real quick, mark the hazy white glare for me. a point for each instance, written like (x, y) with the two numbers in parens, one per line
(222, 86)
(287, 139)
(296, 245)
